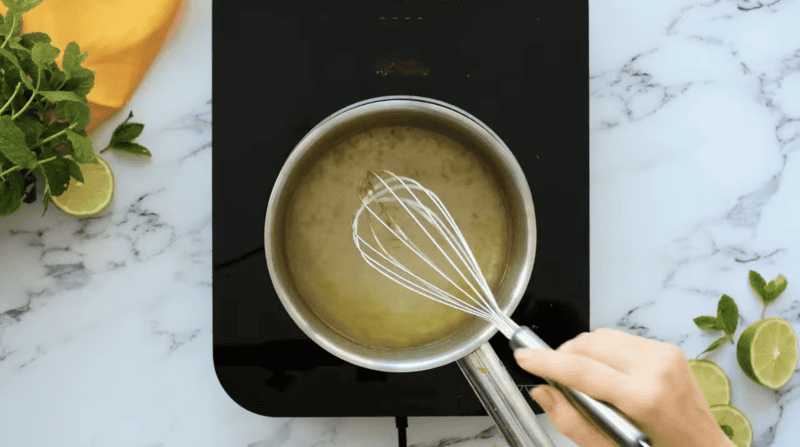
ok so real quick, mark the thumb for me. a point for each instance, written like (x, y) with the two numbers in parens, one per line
(567, 419)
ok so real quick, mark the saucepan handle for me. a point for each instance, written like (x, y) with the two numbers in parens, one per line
(604, 416)
(502, 400)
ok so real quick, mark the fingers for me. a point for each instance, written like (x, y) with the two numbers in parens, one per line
(617, 349)
(567, 419)
(579, 372)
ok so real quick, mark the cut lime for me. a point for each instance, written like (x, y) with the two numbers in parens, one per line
(767, 352)
(90, 197)
(737, 421)
(712, 380)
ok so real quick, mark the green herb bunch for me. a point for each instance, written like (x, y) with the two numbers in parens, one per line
(727, 318)
(44, 114)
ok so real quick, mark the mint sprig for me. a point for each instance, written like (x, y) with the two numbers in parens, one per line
(767, 291)
(728, 313)
(44, 114)
(726, 321)
(123, 137)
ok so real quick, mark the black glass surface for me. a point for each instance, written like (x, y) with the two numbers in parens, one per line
(280, 67)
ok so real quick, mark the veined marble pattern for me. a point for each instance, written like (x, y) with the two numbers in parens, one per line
(695, 178)
(105, 322)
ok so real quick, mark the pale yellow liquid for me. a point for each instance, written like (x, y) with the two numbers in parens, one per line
(329, 272)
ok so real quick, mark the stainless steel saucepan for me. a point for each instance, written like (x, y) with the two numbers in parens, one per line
(468, 347)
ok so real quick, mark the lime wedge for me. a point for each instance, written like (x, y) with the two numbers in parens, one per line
(712, 380)
(767, 352)
(90, 197)
(737, 421)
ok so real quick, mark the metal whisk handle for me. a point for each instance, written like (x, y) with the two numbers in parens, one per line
(604, 416)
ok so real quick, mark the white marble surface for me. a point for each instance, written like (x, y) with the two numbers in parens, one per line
(105, 323)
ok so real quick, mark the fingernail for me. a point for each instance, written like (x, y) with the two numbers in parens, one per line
(542, 397)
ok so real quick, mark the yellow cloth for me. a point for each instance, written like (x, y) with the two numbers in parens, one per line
(122, 38)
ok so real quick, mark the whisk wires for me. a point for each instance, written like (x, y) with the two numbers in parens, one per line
(381, 205)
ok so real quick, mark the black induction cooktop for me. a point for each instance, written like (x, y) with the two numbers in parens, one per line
(280, 67)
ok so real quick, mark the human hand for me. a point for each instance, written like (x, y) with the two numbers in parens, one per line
(650, 381)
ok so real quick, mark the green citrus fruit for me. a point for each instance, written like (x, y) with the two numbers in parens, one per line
(767, 352)
(90, 197)
(728, 415)
(712, 380)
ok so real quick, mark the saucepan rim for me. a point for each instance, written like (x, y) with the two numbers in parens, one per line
(414, 359)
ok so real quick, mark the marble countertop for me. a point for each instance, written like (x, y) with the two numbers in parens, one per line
(105, 322)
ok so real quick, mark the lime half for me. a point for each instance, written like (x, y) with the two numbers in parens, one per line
(737, 421)
(90, 197)
(767, 352)
(712, 380)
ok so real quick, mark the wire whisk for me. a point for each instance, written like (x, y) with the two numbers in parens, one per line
(405, 232)
(431, 234)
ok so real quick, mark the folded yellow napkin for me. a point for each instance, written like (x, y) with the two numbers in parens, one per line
(122, 38)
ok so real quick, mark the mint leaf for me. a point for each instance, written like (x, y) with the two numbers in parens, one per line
(44, 54)
(14, 43)
(29, 39)
(717, 343)
(57, 79)
(26, 41)
(82, 150)
(727, 314)
(775, 288)
(63, 96)
(132, 148)
(126, 132)
(5, 88)
(758, 284)
(707, 323)
(23, 76)
(74, 170)
(75, 112)
(10, 193)
(123, 136)
(11, 24)
(79, 79)
(767, 292)
(21, 6)
(728, 430)
(12, 144)
(29, 67)
(82, 84)
(56, 174)
(31, 127)
(73, 58)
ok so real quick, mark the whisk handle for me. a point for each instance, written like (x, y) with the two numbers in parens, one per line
(602, 415)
